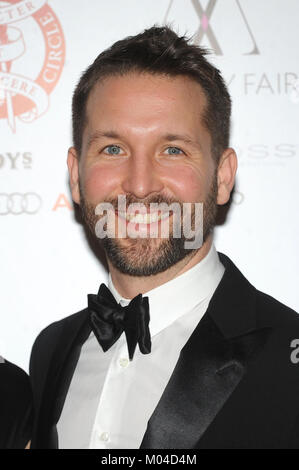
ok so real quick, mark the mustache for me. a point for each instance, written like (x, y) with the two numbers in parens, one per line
(131, 199)
(145, 202)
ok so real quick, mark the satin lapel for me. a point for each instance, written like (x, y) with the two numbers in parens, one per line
(74, 332)
(210, 366)
(207, 372)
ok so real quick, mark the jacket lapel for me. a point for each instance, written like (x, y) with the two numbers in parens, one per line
(212, 363)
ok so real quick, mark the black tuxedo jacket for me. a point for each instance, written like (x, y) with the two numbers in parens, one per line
(235, 384)
(16, 407)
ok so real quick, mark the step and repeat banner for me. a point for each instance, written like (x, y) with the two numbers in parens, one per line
(47, 266)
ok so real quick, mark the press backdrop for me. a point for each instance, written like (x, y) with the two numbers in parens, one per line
(47, 267)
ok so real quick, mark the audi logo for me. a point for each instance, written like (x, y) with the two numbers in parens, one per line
(19, 203)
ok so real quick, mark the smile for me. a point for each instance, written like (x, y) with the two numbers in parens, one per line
(147, 218)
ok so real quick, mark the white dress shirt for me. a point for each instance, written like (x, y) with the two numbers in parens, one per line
(111, 399)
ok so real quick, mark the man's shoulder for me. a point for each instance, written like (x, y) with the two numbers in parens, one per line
(275, 313)
(47, 339)
(57, 326)
(270, 311)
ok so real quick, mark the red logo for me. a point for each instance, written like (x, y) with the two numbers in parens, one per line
(32, 53)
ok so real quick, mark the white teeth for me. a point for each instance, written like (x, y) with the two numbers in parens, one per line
(145, 218)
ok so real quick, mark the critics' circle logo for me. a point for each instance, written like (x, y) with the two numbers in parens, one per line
(32, 53)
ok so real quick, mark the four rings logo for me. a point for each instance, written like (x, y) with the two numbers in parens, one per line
(205, 28)
(18, 203)
(31, 43)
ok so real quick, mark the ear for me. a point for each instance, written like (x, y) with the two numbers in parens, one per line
(227, 169)
(73, 167)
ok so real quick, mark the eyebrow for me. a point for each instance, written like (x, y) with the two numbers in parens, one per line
(114, 135)
(182, 137)
(99, 134)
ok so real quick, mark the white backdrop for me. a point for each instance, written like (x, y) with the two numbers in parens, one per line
(47, 268)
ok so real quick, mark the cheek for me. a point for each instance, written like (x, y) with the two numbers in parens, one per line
(98, 182)
(189, 184)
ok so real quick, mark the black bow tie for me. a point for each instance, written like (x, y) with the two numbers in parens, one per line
(109, 319)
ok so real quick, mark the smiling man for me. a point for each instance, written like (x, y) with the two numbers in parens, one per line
(178, 350)
(144, 138)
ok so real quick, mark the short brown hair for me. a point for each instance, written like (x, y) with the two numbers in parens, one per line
(159, 50)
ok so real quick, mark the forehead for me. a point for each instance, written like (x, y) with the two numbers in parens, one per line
(145, 101)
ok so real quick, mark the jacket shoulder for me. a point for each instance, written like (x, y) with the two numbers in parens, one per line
(274, 313)
(46, 341)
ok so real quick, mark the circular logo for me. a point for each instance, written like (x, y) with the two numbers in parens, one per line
(19, 203)
(32, 54)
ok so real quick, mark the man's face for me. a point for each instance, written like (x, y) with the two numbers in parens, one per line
(145, 139)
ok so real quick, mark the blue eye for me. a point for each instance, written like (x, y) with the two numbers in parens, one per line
(112, 149)
(174, 151)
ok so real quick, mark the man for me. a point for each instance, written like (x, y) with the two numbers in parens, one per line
(213, 366)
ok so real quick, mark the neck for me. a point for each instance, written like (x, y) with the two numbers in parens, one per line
(130, 286)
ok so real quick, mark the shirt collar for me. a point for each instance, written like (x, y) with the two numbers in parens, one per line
(178, 296)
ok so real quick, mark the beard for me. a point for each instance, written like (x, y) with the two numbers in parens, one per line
(150, 256)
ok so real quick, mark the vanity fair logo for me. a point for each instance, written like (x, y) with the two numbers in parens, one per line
(205, 28)
(32, 52)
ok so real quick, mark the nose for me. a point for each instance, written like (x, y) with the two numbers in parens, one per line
(142, 177)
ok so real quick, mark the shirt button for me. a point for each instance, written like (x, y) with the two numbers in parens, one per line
(123, 362)
(104, 436)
